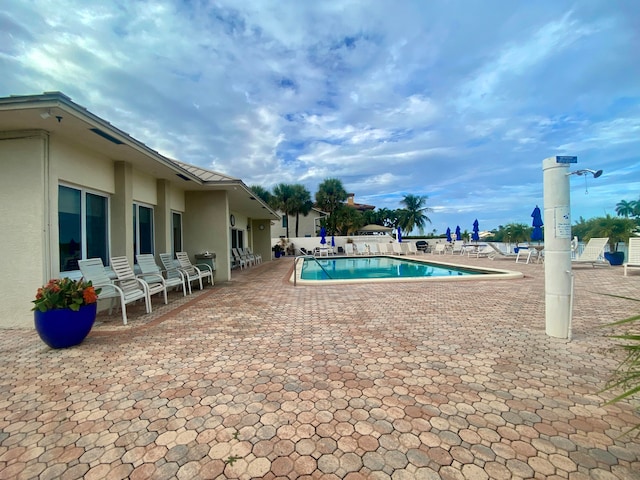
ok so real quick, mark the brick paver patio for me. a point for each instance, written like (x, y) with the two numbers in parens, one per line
(258, 379)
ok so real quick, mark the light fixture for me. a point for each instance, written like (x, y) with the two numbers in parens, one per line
(595, 173)
(45, 115)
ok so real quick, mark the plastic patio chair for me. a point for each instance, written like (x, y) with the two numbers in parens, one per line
(127, 279)
(150, 271)
(93, 269)
(194, 272)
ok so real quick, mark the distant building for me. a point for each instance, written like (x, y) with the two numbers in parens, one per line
(358, 206)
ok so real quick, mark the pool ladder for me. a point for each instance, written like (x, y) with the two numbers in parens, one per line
(295, 263)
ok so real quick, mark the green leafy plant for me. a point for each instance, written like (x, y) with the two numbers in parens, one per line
(62, 293)
(627, 374)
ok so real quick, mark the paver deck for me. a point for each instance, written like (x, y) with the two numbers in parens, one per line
(257, 379)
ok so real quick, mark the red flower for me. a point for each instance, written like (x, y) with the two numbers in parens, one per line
(89, 295)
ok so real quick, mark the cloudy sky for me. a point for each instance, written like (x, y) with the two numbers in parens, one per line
(457, 100)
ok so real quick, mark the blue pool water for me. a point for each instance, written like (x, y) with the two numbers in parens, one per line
(377, 267)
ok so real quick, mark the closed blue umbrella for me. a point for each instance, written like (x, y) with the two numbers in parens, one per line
(536, 233)
(448, 234)
(323, 233)
(476, 228)
(399, 235)
(458, 234)
(333, 241)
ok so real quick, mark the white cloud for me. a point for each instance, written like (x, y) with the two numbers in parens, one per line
(430, 98)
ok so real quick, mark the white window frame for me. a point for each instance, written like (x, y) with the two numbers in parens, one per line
(83, 220)
(136, 227)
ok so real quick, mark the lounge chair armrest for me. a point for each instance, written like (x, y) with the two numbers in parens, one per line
(151, 277)
(205, 265)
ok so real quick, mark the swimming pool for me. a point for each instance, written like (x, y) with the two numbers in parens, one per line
(385, 268)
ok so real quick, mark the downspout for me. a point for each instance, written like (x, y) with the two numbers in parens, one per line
(47, 268)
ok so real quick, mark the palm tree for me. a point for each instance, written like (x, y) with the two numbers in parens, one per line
(281, 200)
(413, 215)
(329, 197)
(262, 193)
(626, 209)
(300, 202)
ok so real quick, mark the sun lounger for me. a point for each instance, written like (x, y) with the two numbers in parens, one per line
(497, 253)
(593, 253)
(439, 249)
(633, 255)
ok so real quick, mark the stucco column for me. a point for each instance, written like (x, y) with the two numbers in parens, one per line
(557, 245)
(122, 211)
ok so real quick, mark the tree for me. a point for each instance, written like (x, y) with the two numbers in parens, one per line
(281, 200)
(348, 220)
(413, 215)
(300, 202)
(329, 197)
(262, 193)
(616, 229)
(627, 209)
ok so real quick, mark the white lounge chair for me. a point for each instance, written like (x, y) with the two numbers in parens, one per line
(172, 268)
(257, 256)
(397, 249)
(458, 247)
(361, 248)
(497, 253)
(439, 249)
(633, 255)
(593, 253)
(93, 269)
(194, 272)
(479, 251)
(412, 249)
(128, 279)
(348, 249)
(150, 271)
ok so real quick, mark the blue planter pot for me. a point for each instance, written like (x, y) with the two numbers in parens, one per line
(65, 328)
(614, 258)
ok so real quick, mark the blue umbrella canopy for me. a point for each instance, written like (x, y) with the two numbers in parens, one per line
(323, 233)
(333, 241)
(536, 233)
(399, 235)
(448, 234)
(476, 228)
(458, 234)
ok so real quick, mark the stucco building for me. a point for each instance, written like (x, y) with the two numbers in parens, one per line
(73, 186)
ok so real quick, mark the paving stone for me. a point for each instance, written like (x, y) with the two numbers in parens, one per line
(257, 379)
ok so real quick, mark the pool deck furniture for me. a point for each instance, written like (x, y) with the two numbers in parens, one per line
(197, 272)
(497, 253)
(593, 253)
(127, 292)
(150, 270)
(633, 255)
(126, 277)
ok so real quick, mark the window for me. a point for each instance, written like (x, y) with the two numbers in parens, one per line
(285, 221)
(83, 227)
(237, 239)
(142, 229)
(176, 231)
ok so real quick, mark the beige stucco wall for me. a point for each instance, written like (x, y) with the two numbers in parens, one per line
(306, 225)
(206, 228)
(23, 239)
(82, 167)
(144, 188)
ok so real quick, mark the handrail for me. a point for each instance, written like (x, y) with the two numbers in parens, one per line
(295, 263)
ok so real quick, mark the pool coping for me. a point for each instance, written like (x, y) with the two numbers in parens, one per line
(498, 273)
